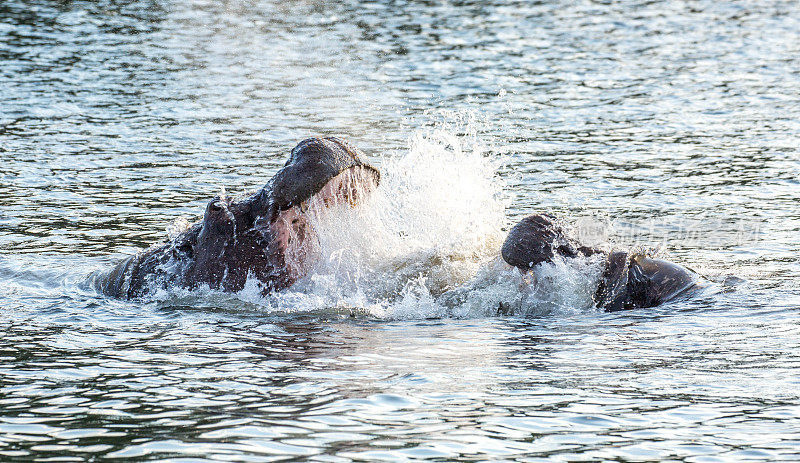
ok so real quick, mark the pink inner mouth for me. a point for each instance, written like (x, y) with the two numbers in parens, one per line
(292, 230)
(349, 186)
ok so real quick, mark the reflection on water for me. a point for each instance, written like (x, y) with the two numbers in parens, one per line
(670, 122)
(446, 389)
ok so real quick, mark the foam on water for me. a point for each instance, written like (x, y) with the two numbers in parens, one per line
(563, 287)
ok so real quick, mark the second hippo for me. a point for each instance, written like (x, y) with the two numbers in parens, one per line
(629, 280)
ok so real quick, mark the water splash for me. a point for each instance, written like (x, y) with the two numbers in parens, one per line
(178, 226)
(437, 216)
(424, 244)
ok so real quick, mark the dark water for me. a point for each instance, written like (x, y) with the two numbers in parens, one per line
(672, 124)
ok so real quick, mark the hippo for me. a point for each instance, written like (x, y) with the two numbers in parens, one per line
(629, 280)
(267, 236)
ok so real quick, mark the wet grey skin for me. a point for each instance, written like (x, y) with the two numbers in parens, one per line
(264, 236)
(629, 280)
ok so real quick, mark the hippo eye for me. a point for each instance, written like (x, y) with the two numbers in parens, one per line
(215, 207)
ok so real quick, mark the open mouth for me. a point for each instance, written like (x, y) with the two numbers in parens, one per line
(352, 186)
(293, 229)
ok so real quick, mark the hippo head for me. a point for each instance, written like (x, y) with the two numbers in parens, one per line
(269, 235)
(539, 238)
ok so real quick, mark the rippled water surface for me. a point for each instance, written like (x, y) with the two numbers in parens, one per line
(667, 124)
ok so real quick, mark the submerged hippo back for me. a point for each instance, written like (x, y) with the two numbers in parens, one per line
(637, 281)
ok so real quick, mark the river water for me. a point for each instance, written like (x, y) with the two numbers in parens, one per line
(672, 125)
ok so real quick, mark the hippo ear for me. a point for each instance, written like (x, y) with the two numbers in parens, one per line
(218, 220)
(214, 207)
(183, 246)
(214, 212)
